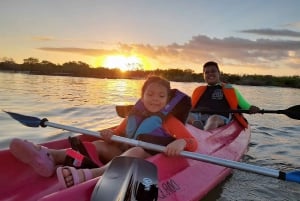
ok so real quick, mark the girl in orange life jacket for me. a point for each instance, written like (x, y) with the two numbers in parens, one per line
(217, 96)
(155, 96)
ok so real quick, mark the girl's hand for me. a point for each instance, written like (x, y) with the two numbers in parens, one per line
(175, 147)
(106, 135)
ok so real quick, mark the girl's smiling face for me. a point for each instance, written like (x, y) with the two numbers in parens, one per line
(155, 97)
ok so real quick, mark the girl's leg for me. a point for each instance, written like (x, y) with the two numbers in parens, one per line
(44, 160)
(59, 155)
(40, 158)
(107, 151)
(68, 175)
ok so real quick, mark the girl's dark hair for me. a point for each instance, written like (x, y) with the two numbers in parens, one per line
(156, 79)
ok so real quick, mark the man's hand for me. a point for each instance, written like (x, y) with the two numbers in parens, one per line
(253, 109)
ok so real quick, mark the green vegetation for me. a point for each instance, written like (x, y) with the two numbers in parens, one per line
(81, 69)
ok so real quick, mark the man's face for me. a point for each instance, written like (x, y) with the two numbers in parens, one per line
(211, 75)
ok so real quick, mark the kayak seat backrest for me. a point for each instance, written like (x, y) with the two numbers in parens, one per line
(182, 109)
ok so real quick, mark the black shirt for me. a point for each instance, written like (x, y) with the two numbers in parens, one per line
(213, 99)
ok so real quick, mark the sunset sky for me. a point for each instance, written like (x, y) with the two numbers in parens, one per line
(244, 37)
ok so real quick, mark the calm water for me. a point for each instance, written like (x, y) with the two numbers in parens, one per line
(90, 103)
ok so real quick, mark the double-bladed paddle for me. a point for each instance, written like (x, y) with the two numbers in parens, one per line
(286, 176)
(292, 112)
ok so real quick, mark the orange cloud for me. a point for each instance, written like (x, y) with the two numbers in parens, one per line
(261, 53)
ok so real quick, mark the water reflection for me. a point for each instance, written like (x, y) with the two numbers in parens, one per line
(90, 103)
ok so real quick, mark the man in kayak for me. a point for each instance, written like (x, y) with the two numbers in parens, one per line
(217, 96)
(151, 120)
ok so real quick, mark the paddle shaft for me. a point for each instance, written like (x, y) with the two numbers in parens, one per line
(239, 111)
(196, 156)
(292, 112)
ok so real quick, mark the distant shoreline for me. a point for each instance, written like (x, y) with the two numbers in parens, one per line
(80, 69)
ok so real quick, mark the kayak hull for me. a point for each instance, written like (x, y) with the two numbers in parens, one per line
(179, 178)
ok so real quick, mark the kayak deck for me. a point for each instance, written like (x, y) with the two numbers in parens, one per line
(179, 178)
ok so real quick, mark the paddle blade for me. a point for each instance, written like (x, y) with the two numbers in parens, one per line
(127, 178)
(25, 120)
(293, 112)
(293, 176)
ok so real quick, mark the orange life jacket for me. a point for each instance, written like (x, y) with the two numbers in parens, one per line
(230, 96)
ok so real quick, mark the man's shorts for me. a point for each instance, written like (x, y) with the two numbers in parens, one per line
(203, 117)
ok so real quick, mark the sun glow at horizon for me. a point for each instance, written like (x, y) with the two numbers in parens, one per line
(123, 63)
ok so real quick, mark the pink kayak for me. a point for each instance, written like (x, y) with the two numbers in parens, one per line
(180, 178)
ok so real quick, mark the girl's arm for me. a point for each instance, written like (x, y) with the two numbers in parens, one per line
(121, 128)
(177, 130)
(106, 134)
